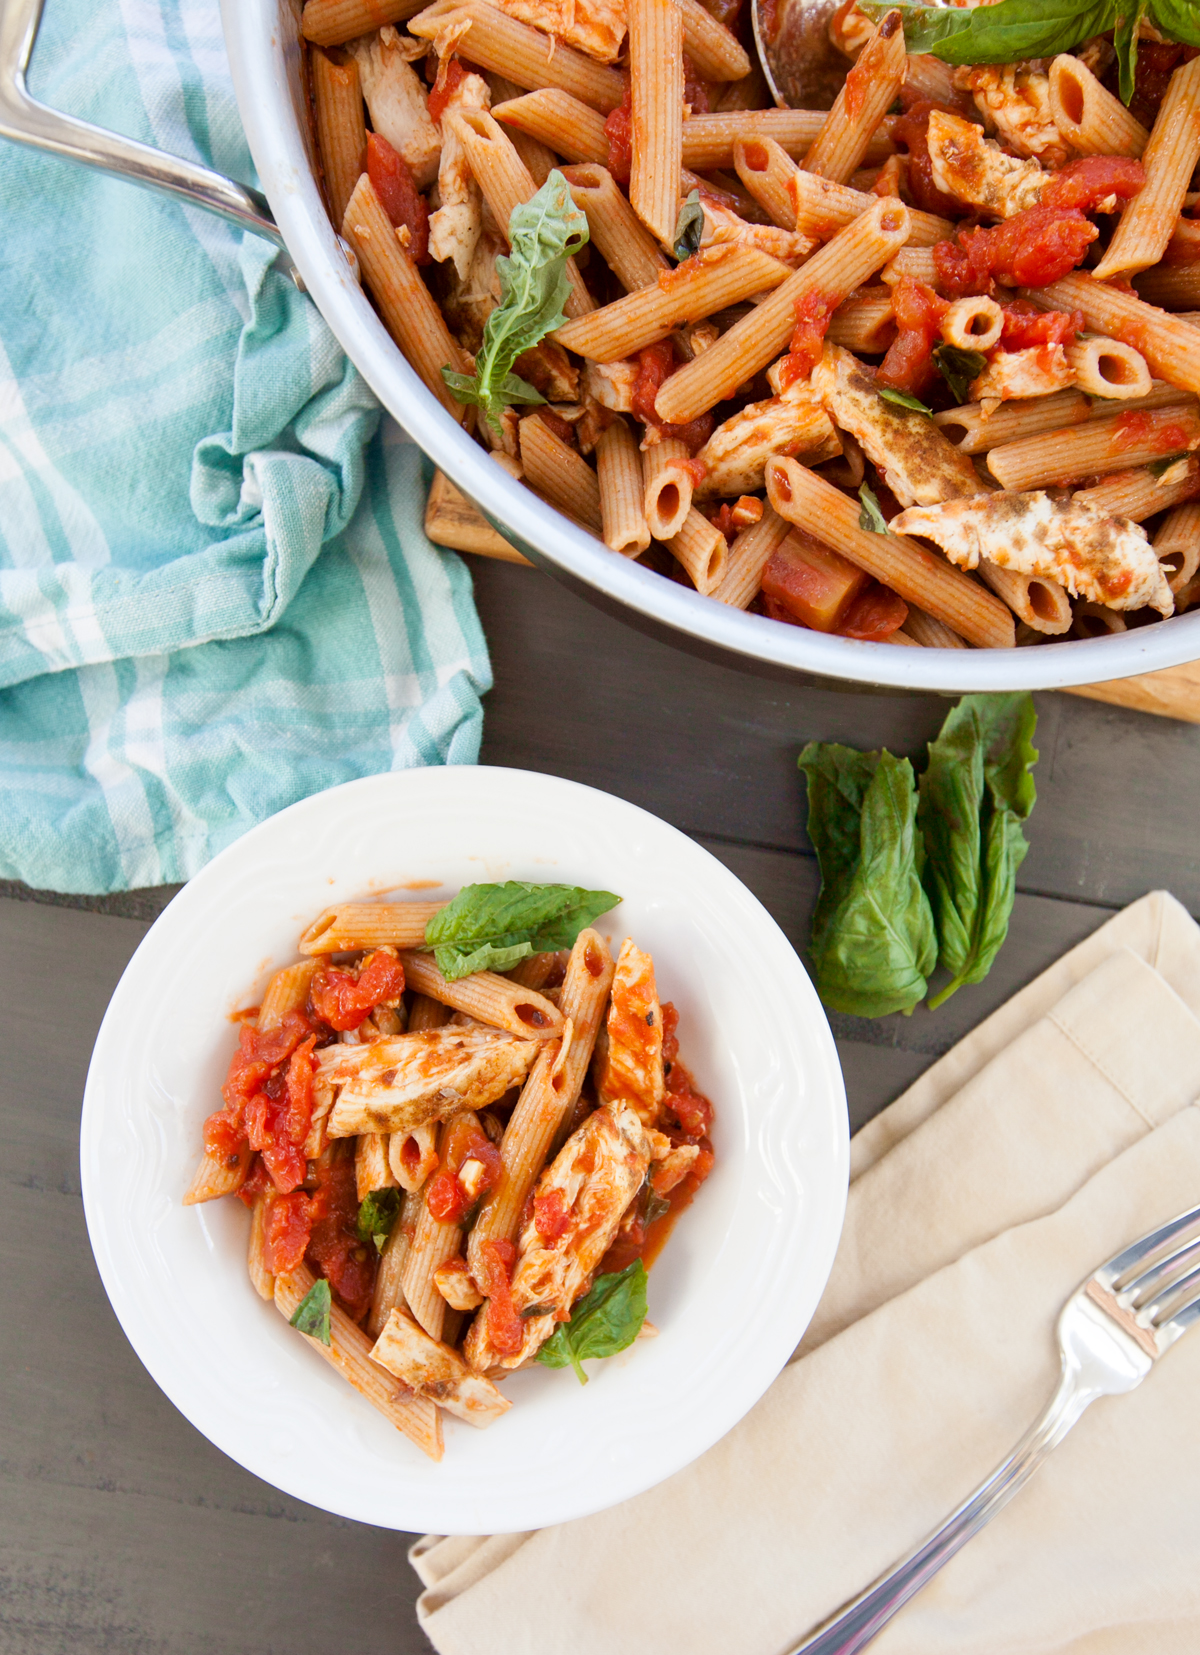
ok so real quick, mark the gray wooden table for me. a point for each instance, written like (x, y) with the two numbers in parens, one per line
(123, 1530)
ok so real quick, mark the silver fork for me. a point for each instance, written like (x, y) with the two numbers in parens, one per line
(1110, 1334)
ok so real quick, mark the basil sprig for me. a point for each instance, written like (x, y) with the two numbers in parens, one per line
(377, 1215)
(491, 927)
(903, 399)
(311, 1315)
(606, 1320)
(959, 367)
(689, 227)
(870, 517)
(1019, 29)
(912, 879)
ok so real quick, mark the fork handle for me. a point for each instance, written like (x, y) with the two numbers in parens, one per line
(867, 1614)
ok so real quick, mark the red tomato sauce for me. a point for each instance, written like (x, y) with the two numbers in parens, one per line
(1138, 428)
(813, 312)
(551, 1216)
(334, 1250)
(464, 1140)
(344, 1001)
(874, 614)
(399, 196)
(618, 129)
(695, 92)
(506, 1331)
(918, 310)
(1030, 249)
(656, 364)
(450, 77)
(1026, 326)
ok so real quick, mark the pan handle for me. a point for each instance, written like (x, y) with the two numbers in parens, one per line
(26, 121)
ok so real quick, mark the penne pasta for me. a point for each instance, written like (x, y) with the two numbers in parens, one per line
(1042, 604)
(409, 310)
(1087, 114)
(349, 1352)
(350, 926)
(973, 324)
(715, 52)
(864, 322)
(667, 487)
(1140, 494)
(341, 128)
(1170, 158)
(559, 121)
(1100, 445)
(1170, 346)
(972, 431)
(918, 575)
(287, 991)
(708, 140)
(750, 92)
(656, 84)
(412, 1156)
(928, 633)
(1170, 286)
(842, 265)
(489, 998)
(1108, 368)
(914, 262)
(871, 86)
(701, 549)
(388, 1293)
(333, 22)
(619, 474)
(261, 1278)
(618, 234)
(559, 472)
(520, 53)
(372, 1170)
(433, 1242)
(1178, 544)
(748, 557)
(1093, 620)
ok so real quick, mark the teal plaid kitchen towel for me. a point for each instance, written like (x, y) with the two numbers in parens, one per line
(215, 593)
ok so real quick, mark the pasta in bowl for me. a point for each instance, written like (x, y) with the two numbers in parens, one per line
(749, 1255)
(721, 272)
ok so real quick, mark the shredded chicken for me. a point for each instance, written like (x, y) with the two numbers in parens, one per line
(455, 228)
(468, 303)
(1016, 98)
(456, 1284)
(1034, 372)
(596, 27)
(396, 97)
(611, 383)
(736, 454)
(724, 228)
(436, 1371)
(978, 172)
(629, 1067)
(1108, 560)
(915, 460)
(396, 1085)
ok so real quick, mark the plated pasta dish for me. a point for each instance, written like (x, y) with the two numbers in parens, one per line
(922, 367)
(463, 1133)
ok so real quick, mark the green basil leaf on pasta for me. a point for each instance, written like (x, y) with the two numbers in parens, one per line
(377, 1215)
(543, 233)
(870, 517)
(903, 399)
(1180, 19)
(492, 927)
(873, 940)
(1159, 468)
(975, 793)
(1125, 41)
(689, 227)
(311, 1315)
(959, 368)
(1007, 33)
(607, 1319)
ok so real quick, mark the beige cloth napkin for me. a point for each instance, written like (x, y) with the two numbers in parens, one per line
(1061, 1129)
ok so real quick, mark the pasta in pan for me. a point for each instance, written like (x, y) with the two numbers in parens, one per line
(450, 1171)
(927, 376)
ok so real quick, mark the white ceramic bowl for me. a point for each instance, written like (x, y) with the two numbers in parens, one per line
(261, 36)
(732, 1292)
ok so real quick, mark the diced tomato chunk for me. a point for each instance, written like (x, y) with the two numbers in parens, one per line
(287, 1226)
(505, 1329)
(1030, 249)
(918, 310)
(334, 1250)
(551, 1215)
(450, 77)
(812, 582)
(344, 1001)
(874, 614)
(259, 1052)
(813, 313)
(618, 129)
(399, 196)
(1026, 326)
(1089, 180)
(223, 1137)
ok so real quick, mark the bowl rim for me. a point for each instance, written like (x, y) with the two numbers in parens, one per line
(129, 1146)
(259, 61)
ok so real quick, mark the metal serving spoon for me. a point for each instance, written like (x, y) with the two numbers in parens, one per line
(804, 69)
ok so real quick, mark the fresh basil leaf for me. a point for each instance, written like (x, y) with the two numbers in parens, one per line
(491, 927)
(873, 940)
(311, 1315)
(377, 1214)
(1178, 18)
(1006, 33)
(870, 517)
(959, 367)
(689, 227)
(606, 1320)
(654, 1205)
(902, 399)
(543, 233)
(974, 795)
(1125, 40)
(1159, 468)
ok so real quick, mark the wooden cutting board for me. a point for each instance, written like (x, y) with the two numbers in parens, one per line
(451, 520)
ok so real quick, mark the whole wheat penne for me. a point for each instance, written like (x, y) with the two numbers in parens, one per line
(484, 995)
(333, 22)
(349, 926)
(539, 161)
(1170, 345)
(656, 94)
(548, 1096)
(349, 1352)
(434, 1241)
(816, 206)
(522, 54)
(618, 234)
(748, 557)
(864, 322)
(619, 474)
(917, 574)
(426, 1013)
(751, 92)
(932, 79)
(834, 272)
(973, 324)
(1094, 448)
(702, 551)
(1088, 116)
(409, 310)
(666, 487)
(559, 472)
(559, 121)
(256, 1265)
(287, 991)
(341, 127)
(412, 1156)
(536, 970)
(1139, 494)
(871, 86)
(972, 431)
(1178, 544)
(1170, 286)
(930, 633)
(708, 140)
(388, 1294)
(505, 182)
(1093, 620)
(1108, 368)
(715, 52)
(1170, 158)
(371, 1168)
(708, 282)
(914, 262)
(1042, 604)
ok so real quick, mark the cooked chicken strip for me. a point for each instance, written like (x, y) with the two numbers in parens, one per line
(1106, 559)
(736, 454)
(1037, 371)
(396, 1085)
(455, 228)
(629, 1066)
(596, 27)
(437, 1371)
(973, 168)
(395, 96)
(1016, 96)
